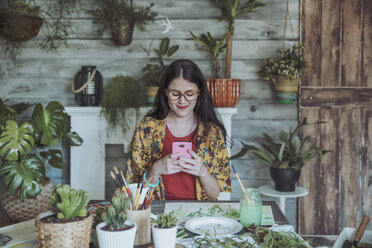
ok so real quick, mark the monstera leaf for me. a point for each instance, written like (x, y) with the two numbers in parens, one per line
(24, 176)
(6, 113)
(16, 141)
(54, 158)
(49, 123)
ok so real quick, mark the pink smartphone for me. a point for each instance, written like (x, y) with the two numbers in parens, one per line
(182, 146)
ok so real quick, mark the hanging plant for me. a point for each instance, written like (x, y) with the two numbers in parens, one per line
(120, 16)
(21, 20)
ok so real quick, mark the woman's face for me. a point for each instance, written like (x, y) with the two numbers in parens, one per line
(182, 97)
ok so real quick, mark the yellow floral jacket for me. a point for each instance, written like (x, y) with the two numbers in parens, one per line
(147, 145)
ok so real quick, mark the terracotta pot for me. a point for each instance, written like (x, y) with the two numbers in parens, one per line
(285, 179)
(21, 210)
(286, 90)
(74, 234)
(19, 27)
(224, 92)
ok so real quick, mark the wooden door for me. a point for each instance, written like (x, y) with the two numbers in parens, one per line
(338, 90)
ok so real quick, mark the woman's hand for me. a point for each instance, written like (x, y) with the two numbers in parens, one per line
(193, 166)
(167, 165)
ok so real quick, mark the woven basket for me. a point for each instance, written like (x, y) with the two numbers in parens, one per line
(70, 235)
(19, 27)
(224, 92)
(21, 210)
(122, 32)
(286, 90)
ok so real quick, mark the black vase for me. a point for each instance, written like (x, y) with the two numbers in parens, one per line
(91, 94)
(285, 179)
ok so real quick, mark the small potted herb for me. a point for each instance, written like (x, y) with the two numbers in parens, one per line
(116, 230)
(71, 225)
(164, 230)
(285, 71)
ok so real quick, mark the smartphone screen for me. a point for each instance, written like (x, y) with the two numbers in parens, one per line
(182, 146)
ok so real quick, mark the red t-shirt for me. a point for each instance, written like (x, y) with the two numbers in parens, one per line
(181, 185)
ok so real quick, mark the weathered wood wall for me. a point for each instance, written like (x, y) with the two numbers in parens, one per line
(338, 91)
(41, 77)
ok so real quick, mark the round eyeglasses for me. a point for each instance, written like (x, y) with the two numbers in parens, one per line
(189, 95)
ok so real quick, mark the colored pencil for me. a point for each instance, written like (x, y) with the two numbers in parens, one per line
(241, 185)
(139, 197)
(147, 182)
(113, 177)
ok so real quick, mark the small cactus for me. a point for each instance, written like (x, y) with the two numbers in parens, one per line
(115, 216)
(70, 202)
(166, 220)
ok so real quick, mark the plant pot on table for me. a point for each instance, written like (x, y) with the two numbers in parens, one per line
(285, 179)
(19, 210)
(224, 92)
(111, 239)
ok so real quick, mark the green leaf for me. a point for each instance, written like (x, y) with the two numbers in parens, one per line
(15, 142)
(281, 152)
(54, 158)
(172, 50)
(24, 176)
(164, 46)
(73, 139)
(49, 123)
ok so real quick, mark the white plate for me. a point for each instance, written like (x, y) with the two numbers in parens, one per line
(213, 225)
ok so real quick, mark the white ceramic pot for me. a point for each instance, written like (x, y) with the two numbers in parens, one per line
(116, 239)
(164, 237)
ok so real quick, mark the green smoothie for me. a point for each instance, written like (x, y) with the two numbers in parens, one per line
(250, 214)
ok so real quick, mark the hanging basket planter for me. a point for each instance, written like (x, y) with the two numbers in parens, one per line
(122, 31)
(224, 92)
(286, 90)
(17, 27)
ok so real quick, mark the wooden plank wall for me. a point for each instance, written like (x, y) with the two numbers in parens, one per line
(338, 91)
(47, 76)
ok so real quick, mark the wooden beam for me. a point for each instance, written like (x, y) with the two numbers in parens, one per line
(335, 97)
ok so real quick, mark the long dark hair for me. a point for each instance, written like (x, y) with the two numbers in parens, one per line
(204, 108)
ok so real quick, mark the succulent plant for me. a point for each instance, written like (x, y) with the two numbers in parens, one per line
(166, 220)
(115, 216)
(70, 202)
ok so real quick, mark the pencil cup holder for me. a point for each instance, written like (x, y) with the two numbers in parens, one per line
(133, 189)
(250, 207)
(143, 220)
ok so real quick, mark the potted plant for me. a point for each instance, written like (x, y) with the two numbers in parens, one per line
(116, 230)
(219, 86)
(20, 20)
(155, 71)
(120, 94)
(285, 158)
(25, 150)
(71, 225)
(121, 15)
(285, 71)
(164, 230)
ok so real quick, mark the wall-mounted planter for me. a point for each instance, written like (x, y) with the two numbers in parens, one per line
(286, 90)
(122, 32)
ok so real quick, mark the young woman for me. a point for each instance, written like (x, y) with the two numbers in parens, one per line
(184, 112)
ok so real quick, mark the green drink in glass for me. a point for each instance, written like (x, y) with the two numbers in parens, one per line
(250, 210)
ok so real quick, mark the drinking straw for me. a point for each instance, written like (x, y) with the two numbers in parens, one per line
(241, 185)
(113, 177)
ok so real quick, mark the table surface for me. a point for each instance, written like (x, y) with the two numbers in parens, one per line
(157, 207)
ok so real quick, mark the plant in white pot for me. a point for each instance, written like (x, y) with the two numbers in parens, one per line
(71, 225)
(285, 158)
(164, 231)
(116, 230)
